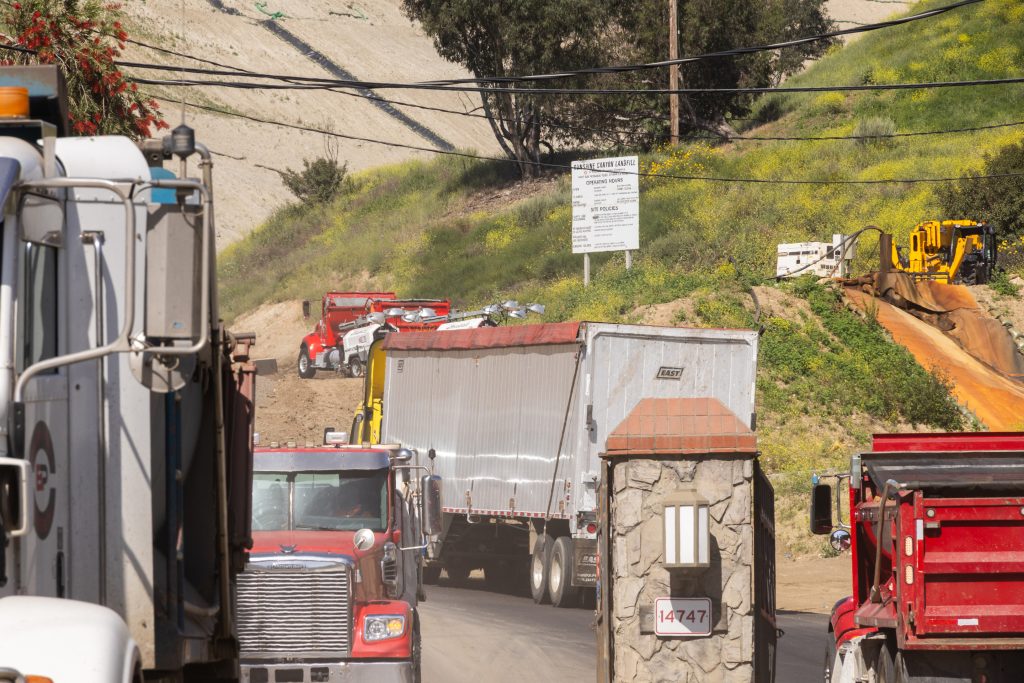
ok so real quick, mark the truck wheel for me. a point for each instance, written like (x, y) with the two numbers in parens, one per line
(830, 656)
(539, 568)
(306, 367)
(560, 588)
(431, 574)
(417, 650)
(885, 667)
(356, 367)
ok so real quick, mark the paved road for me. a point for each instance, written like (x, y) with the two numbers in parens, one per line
(472, 635)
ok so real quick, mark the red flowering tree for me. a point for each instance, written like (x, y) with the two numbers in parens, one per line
(84, 38)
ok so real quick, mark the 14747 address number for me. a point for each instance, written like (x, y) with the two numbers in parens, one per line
(682, 617)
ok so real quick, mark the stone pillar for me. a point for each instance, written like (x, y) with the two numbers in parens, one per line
(665, 447)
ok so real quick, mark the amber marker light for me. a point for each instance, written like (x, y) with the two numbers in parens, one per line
(14, 105)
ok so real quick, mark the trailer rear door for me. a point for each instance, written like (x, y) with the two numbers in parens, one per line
(626, 363)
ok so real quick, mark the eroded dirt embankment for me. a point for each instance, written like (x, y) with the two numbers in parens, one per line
(946, 330)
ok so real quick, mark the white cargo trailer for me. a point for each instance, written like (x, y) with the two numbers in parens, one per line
(513, 419)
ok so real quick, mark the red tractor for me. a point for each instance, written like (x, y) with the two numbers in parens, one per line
(334, 577)
(342, 312)
(936, 534)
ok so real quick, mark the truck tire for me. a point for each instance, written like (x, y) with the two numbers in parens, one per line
(496, 577)
(417, 650)
(560, 588)
(885, 667)
(539, 561)
(830, 656)
(356, 367)
(431, 574)
(306, 367)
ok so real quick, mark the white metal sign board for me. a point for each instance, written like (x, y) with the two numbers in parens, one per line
(605, 205)
(682, 617)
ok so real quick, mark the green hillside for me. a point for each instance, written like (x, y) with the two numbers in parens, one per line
(460, 228)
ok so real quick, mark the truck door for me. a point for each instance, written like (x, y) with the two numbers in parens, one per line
(41, 335)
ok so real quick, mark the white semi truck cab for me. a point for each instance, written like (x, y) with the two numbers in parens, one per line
(125, 407)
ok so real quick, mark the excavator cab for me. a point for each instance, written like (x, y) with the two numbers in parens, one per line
(954, 251)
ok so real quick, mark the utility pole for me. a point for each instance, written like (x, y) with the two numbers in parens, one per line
(673, 72)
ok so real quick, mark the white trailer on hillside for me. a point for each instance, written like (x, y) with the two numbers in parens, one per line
(513, 419)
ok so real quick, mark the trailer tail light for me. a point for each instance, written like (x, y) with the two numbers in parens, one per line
(592, 528)
(908, 546)
(908, 575)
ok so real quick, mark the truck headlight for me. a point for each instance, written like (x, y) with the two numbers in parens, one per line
(383, 626)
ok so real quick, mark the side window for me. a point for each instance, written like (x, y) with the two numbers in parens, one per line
(39, 319)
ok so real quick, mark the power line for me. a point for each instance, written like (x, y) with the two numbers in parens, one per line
(565, 167)
(619, 131)
(574, 73)
(302, 84)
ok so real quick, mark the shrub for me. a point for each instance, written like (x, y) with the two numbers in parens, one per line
(318, 182)
(999, 200)
(1001, 284)
(875, 130)
(830, 103)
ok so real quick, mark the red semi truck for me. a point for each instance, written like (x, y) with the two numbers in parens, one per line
(331, 589)
(936, 534)
(321, 349)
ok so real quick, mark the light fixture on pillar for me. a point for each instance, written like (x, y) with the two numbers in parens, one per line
(687, 535)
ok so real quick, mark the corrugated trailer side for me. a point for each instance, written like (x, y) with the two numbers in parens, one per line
(491, 403)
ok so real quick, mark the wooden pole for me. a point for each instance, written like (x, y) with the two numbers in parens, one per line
(673, 71)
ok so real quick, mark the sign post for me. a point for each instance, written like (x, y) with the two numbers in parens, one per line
(605, 208)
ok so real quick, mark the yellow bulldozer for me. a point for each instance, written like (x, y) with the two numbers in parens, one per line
(958, 251)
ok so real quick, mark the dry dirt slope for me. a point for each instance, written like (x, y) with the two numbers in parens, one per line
(289, 408)
(361, 39)
(322, 38)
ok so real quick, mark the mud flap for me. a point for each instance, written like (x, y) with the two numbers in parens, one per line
(584, 562)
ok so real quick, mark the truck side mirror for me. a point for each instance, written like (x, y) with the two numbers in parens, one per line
(305, 309)
(821, 509)
(430, 502)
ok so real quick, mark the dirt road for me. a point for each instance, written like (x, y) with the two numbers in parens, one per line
(289, 408)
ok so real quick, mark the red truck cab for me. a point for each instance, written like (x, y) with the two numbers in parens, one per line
(336, 309)
(339, 311)
(936, 534)
(331, 588)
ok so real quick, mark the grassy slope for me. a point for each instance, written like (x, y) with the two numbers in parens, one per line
(413, 227)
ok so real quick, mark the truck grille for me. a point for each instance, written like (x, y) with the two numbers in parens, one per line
(298, 612)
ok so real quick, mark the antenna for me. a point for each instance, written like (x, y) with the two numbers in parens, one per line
(181, 75)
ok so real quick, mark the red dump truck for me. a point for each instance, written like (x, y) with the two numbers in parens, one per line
(936, 534)
(331, 589)
(342, 312)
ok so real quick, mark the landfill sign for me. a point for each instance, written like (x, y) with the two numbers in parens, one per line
(605, 205)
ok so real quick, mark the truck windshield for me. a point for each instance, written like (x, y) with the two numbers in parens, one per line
(319, 501)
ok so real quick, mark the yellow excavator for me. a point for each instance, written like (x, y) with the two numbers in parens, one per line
(958, 251)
